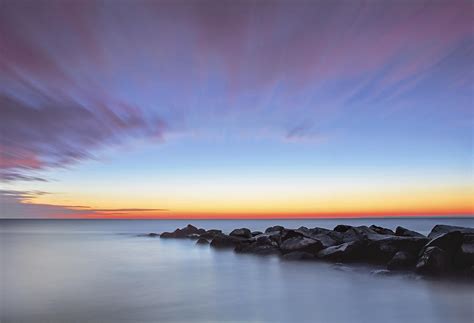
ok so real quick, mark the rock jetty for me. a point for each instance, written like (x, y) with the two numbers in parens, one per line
(447, 250)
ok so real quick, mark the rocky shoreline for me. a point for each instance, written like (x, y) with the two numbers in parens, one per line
(446, 251)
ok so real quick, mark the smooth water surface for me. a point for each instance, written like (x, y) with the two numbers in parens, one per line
(101, 271)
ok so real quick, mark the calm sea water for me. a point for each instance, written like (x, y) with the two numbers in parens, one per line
(101, 271)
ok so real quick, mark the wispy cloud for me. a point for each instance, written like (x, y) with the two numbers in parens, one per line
(18, 204)
(81, 76)
(56, 133)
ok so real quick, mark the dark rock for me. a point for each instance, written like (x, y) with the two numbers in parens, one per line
(342, 228)
(278, 228)
(381, 230)
(300, 244)
(467, 237)
(290, 233)
(404, 232)
(402, 260)
(381, 248)
(433, 261)
(357, 233)
(242, 233)
(317, 230)
(210, 234)
(449, 242)
(256, 233)
(265, 239)
(272, 237)
(255, 248)
(299, 255)
(225, 241)
(167, 235)
(152, 235)
(189, 231)
(349, 251)
(469, 272)
(442, 229)
(464, 258)
(202, 241)
(326, 240)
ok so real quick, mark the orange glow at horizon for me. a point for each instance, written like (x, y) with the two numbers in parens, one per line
(362, 203)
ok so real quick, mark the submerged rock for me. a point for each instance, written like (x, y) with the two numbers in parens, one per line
(299, 255)
(202, 241)
(256, 248)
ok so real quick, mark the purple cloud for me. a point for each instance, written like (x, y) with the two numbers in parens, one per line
(78, 76)
(56, 133)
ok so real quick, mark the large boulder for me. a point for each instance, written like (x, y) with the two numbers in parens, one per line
(404, 232)
(401, 260)
(256, 233)
(442, 229)
(449, 242)
(433, 261)
(381, 230)
(301, 244)
(241, 233)
(349, 251)
(382, 248)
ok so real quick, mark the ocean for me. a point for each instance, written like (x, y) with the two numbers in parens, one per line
(102, 271)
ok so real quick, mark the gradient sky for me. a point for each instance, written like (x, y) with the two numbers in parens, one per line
(236, 108)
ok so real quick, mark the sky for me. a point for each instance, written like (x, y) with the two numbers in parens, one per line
(216, 109)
